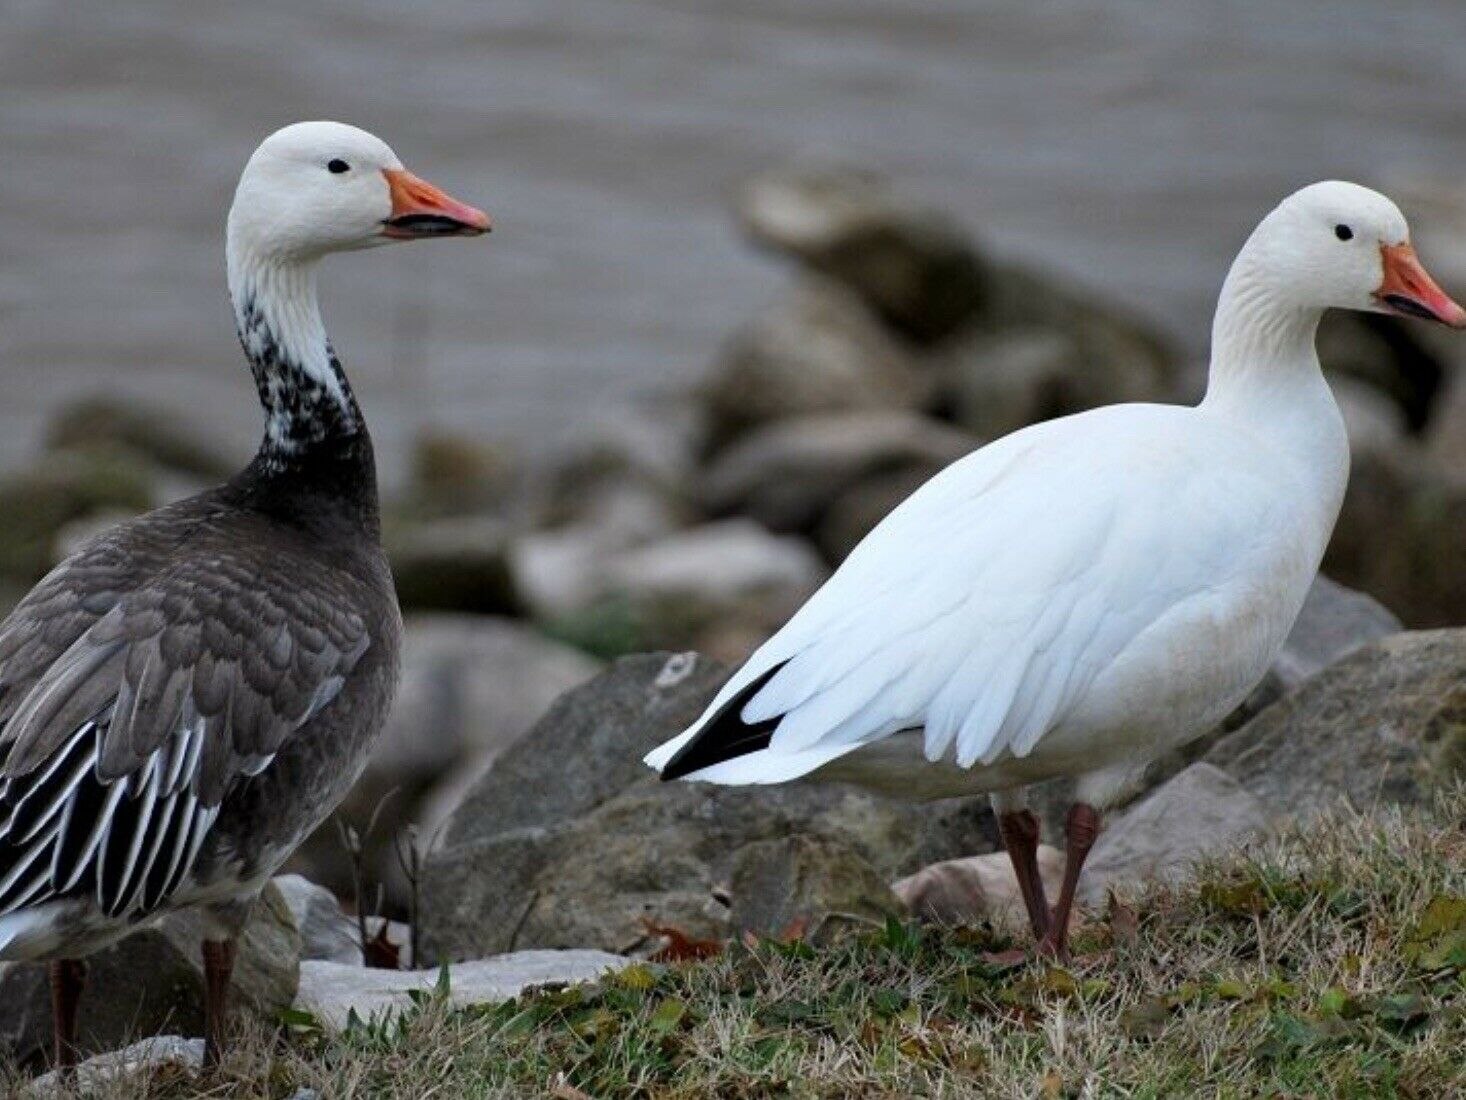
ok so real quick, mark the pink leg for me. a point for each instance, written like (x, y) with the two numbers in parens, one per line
(1080, 829)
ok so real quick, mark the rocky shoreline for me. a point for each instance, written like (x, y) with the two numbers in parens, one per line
(564, 619)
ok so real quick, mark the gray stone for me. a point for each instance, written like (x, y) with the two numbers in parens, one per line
(153, 981)
(570, 841)
(152, 435)
(471, 686)
(1334, 622)
(786, 475)
(806, 885)
(820, 351)
(914, 265)
(332, 992)
(145, 1058)
(720, 576)
(854, 513)
(976, 888)
(999, 382)
(1199, 814)
(1446, 434)
(325, 931)
(40, 502)
(453, 564)
(1399, 534)
(455, 475)
(1382, 725)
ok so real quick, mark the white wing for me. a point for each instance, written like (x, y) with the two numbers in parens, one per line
(985, 605)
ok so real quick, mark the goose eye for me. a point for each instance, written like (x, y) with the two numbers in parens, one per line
(338, 166)
(1343, 232)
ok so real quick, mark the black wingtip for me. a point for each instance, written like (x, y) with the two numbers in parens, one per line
(725, 736)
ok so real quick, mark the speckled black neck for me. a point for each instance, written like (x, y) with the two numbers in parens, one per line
(315, 462)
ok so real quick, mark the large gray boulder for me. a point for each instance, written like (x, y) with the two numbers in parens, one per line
(1199, 814)
(471, 686)
(1383, 724)
(570, 841)
(819, 351)
(153, 981)
(915, 266)
(975, 888)
(806, 886)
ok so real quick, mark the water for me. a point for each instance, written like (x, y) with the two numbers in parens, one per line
(1129, 144)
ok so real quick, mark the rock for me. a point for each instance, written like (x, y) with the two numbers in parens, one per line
(670, 591)
(785, 475)
(1372, 419)
(1201, 813)
(976, 888)
(1047, 355)
(156, 1059)
(1446, 434)
(1386, 354)
(325, 931)
(452, 475)
(996, 383)
(820, 351)
(1382, 725)
(855, 512)
(150, 435)
(915, 266)
(42, 501)
(153, 981)
(332, 991)
(806, 885)
(471, 686)
(1115, 356)
(454, 564)
(1334, 622)
(570, 841)
(1399, 534)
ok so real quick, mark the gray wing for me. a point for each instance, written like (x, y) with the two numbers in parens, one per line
(122, 745)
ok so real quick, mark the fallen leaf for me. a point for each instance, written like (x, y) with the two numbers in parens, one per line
(381, 953)
(680, 947)
(1051, 1085)
(667, 1016)
(561, 1089)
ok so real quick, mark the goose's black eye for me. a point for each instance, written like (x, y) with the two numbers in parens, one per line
(338, 166)
(1343, 232)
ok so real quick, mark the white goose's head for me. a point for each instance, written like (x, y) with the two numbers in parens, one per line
(319, 187)
(1336, 245)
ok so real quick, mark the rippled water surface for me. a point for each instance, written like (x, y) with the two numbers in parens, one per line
(1128, 143)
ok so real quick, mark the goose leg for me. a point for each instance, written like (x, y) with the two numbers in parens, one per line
(1080, 829)
(218, 968)
(68, 979)
(1019, 831)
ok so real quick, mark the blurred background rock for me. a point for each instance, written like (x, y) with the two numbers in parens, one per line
(717, 334)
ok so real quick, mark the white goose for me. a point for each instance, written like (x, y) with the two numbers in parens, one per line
(1080, 596)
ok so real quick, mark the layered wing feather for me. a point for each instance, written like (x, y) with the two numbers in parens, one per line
(129, 712)
(986, 604)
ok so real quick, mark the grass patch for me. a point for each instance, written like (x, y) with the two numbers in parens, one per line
(1330, 964)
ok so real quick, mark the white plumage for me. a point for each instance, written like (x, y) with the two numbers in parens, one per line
(1079, 596)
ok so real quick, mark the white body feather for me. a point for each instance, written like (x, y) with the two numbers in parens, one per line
(1079, 596)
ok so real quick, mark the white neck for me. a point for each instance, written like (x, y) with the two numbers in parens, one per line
(276, 313)
(1266, 380)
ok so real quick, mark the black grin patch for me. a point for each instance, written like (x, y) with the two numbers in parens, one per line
(429, 225)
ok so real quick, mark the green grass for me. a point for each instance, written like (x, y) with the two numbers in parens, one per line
(1330, 964)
